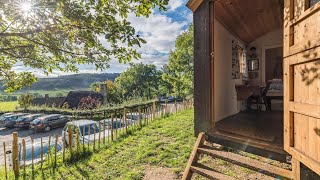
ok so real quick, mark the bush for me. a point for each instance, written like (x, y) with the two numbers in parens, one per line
(25, 101)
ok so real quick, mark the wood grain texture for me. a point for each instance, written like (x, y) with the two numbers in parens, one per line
(302, 84)
(202, 58)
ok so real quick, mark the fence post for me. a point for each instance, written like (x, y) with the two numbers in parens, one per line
(78, 140)
(55, 151)
(104, 132)
(15, 154)
(64, 146)
(83, 134)
(153, 110)
(5, 159)
(24, 155)
(94, 138)
(99, 134)
(70, 140)
(139, 117)
(41, 152)
(116, 126)
(32, 153)
(49, 155)
(89, 132)
(175, 105)
(125, 119)
(111, 127)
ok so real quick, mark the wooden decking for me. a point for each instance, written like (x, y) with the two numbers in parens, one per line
(263, 130)
(265, 126)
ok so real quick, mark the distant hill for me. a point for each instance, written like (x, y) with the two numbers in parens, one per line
(76, 81)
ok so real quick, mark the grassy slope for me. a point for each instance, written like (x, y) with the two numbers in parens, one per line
(166, 143)
(8, 106)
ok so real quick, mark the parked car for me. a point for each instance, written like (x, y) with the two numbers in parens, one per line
(117, 123)
(2, 117)
(37, 152)
(9, 121)
(80, 126)
(135, 116)
(24, 121)
(48, 122)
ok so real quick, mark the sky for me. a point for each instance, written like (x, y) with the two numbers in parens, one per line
(160, 31)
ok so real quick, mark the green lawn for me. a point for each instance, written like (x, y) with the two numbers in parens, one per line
(163, 143)
(8, 106)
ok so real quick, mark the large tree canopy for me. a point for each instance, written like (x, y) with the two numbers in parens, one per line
(59, 34)
(139, 80)
(179, 71)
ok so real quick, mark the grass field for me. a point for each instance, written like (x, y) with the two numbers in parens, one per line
(52, 93)
(8, 106)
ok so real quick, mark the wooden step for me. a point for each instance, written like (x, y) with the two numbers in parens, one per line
(246, 162)
(208, 172)
(248, 141)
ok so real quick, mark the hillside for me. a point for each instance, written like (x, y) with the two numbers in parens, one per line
(76, 81)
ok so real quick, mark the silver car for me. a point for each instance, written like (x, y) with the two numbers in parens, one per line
(85, 136)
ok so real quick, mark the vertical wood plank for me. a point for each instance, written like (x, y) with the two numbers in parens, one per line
(104, 132)
(70, 138)
(111, 127)
(56, 150)
(5, 159)
(15, 154)
(89, 134)
(41, 151)
(94, 138)
(295, 168)
(49, 150)
(24, 155)
(64, 146)
(32, 153)
(99, 134)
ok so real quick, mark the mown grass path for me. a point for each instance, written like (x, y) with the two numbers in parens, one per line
(163, 143)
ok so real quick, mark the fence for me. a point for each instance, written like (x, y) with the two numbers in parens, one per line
(75, 146)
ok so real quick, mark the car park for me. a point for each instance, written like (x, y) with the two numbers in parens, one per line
(48, 122)
(36, 152)
(86, 129)
(24, 121)
(9, 121)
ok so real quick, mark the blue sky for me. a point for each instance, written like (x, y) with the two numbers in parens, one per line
(159, 30)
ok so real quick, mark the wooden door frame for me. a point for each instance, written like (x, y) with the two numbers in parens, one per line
(212, 33)
(295, 54)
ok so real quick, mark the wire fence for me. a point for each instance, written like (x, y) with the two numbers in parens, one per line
(77, 142)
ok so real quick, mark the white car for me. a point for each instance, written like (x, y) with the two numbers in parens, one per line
(83, 126)
(36, 153)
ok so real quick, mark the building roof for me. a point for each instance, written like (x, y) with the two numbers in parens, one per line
(48, 101)
(74, 97)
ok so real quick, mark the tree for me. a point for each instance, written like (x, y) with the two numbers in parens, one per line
(25, 100)
(139, 80)
(95, 86)
(113, 94)
(59, 35)
(89, 103)
(179, 71)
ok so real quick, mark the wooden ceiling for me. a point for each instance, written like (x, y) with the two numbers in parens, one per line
(250, 19)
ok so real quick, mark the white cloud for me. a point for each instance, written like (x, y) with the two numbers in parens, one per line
(174, 4)
(159, 30)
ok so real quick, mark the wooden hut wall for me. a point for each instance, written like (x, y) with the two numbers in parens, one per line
(202, 58)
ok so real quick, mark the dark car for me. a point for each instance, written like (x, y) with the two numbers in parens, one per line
(3, 116)
(48, 122)
(9, 121)
(24, 121)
